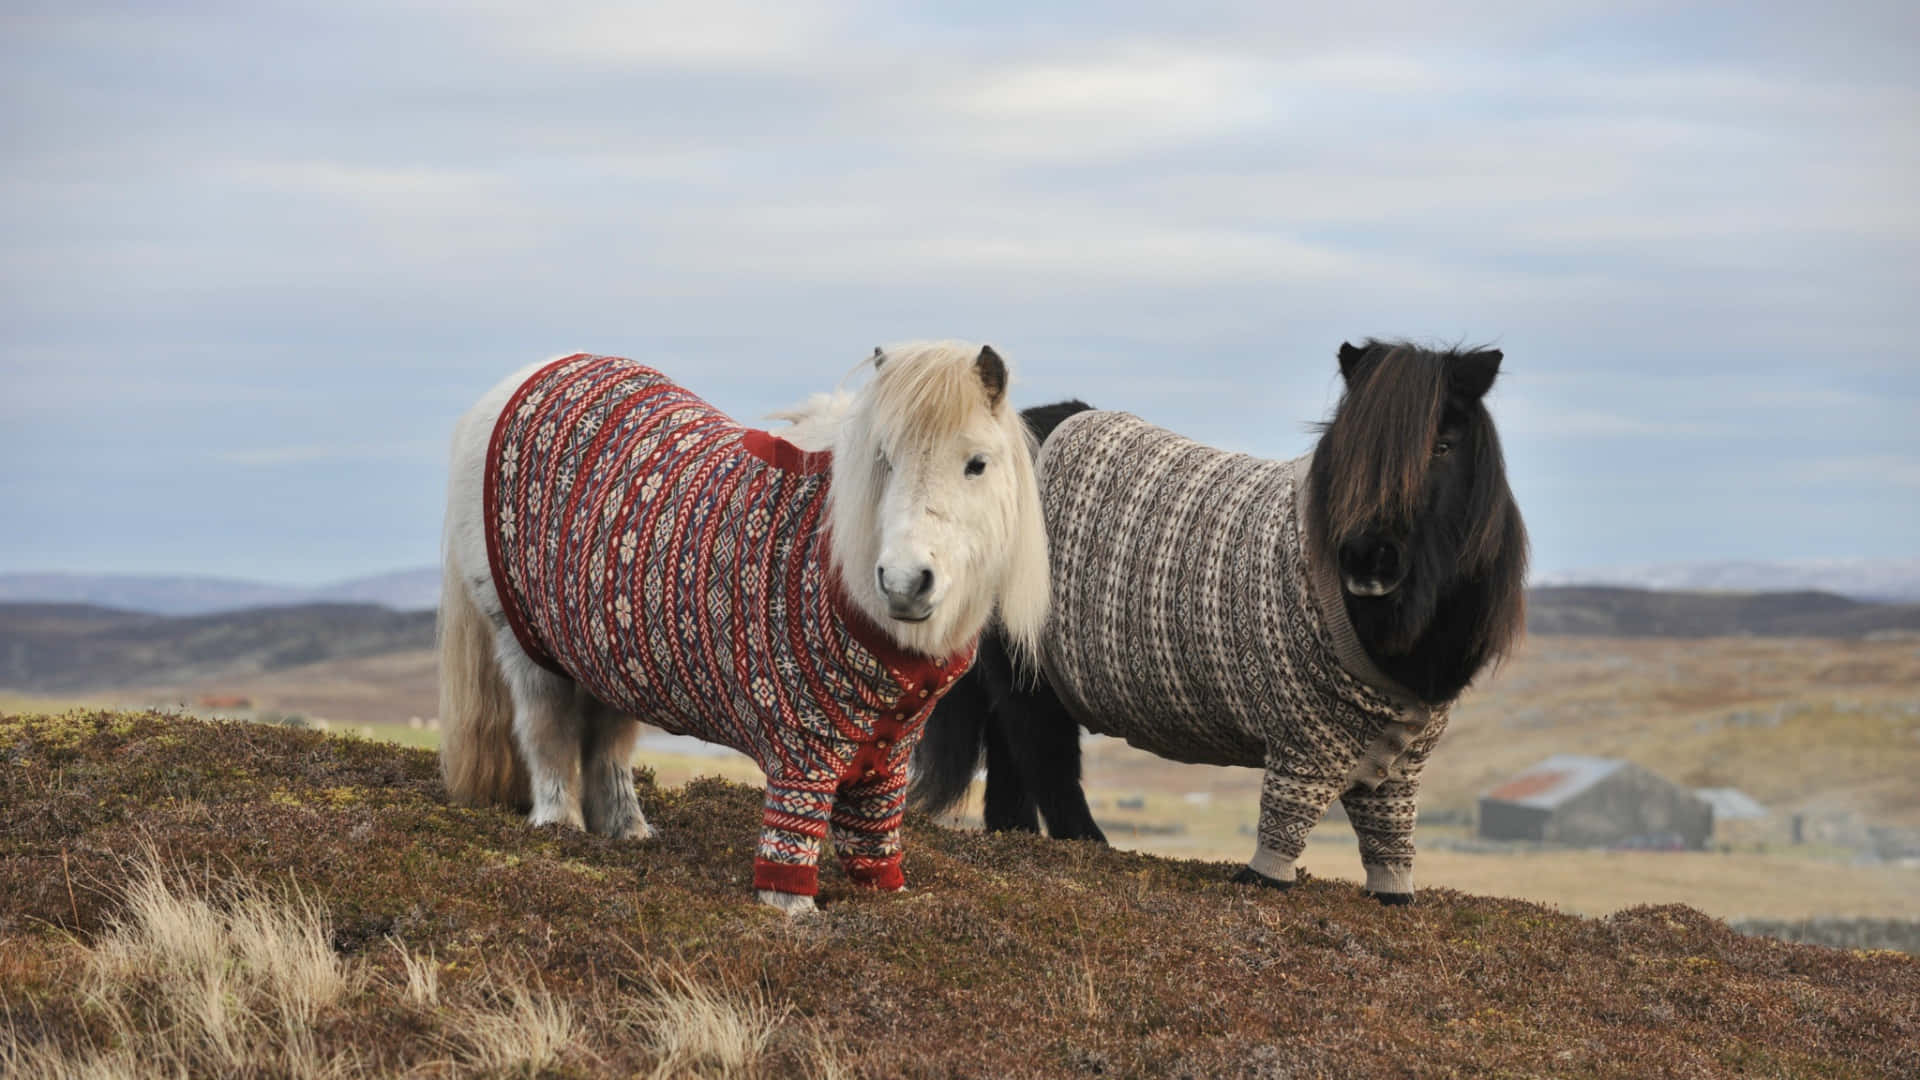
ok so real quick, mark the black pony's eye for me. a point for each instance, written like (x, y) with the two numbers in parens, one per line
(976, 465)
(1442, 448)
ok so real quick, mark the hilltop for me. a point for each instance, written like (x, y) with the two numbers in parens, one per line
(69, 647)
(1606, 611)
(1010, 956)
(180, 594)
(77, 647)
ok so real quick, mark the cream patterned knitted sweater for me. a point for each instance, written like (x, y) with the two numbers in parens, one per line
(1193, 618)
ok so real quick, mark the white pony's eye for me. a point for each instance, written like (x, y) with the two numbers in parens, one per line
(976, 465)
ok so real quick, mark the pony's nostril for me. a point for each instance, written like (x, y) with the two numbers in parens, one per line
(1380, 560)
(880, 575)
(926, 584)
(1386, 560)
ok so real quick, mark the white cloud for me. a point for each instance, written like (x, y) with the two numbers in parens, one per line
(1891, 471)
(1121, 97)
(690, 35)
(413, 451)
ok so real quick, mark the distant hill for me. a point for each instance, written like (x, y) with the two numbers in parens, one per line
(401, 590)
(67, 647)
(71, 647)
(1885, 581)
(1879, 581)
(1617, 612)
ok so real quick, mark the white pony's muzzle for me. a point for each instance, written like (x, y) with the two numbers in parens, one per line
(912, 589)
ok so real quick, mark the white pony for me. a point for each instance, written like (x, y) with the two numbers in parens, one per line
(617, 550)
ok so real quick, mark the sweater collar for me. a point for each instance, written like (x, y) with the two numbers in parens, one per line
(911, 670)
(1323, 574)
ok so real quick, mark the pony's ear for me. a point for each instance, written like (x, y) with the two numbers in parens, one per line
(993, 375)
(879, 357)
(1471, 374)
(1350, 360)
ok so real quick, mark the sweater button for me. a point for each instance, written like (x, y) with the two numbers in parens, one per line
(1380, 771)
(882, 743)
(868, 775)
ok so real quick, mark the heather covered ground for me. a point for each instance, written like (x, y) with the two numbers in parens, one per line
(189, 898)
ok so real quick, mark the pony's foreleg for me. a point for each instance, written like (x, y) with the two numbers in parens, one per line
(866, 831)
(549, 725)
(1290, 806)
(1383, 819)
(786, 867)
(607, 798)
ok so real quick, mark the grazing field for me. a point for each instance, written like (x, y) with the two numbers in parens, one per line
(1742, 884)
(196, 899)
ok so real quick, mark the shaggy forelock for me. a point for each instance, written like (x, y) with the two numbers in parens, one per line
(1377, 450)
(929, 388)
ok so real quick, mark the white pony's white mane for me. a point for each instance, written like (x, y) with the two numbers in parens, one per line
(925, 402)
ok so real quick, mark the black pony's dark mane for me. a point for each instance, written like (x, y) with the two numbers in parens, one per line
(1464, 605)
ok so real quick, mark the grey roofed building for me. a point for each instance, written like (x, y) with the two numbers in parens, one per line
(1595, 802)
(1732, 804)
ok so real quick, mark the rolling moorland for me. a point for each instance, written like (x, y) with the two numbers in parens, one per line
(188, 898)
(68, 647)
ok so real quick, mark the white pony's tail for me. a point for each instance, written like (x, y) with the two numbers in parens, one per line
(814, 422)
(477, 756)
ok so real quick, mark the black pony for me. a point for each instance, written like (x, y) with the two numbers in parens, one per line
(1407, 491)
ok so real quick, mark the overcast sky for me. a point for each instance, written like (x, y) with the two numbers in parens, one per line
(254, 259)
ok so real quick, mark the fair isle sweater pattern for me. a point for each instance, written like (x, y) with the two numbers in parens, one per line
(1192, 618)
(675, 564)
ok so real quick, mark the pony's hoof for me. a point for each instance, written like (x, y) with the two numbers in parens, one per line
(1393, 899)
(562, 819)
(636, 828)
(1249, 876)
(787, 903)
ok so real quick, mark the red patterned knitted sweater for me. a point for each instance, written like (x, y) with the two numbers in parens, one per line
(676, 565)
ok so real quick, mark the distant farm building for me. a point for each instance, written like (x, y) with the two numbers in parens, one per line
(1595, 802)
(1731, 804)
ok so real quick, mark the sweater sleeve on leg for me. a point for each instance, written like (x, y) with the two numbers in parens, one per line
(866, 830)
(1383, 819)
(1290, 805)
(791, 828)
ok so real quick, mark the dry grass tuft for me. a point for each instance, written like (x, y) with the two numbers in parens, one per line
(227, 978)
(695, 1029)
(423, 976)
(524, 1029)
(187, 986)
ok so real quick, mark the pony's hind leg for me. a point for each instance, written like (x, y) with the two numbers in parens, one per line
(1040, 740)
(549, 725)
(1009, 808)
(606, 775)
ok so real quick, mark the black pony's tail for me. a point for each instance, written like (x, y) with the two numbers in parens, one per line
(948, 757)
